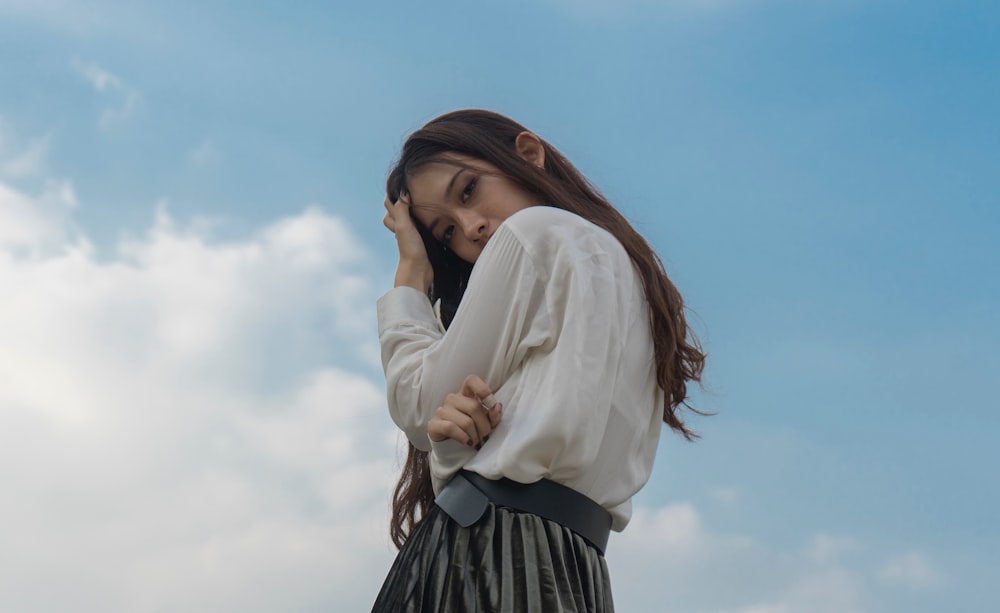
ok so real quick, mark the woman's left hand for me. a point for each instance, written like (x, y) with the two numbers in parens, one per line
(414, 267)
(465, 417)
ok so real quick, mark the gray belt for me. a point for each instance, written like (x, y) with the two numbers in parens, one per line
(467, 495)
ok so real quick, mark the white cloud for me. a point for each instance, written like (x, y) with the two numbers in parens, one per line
(669, 556)
(127, 98)
(829, 548)
(173, 434)
(205, 154)
(63, 15)
(726, 495)
(29, 162)
(913, 570)
(830, 591)
(676, 527)
(101, 79)
(40, 225)
(20, 160)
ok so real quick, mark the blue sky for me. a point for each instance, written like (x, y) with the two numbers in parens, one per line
(191, 243)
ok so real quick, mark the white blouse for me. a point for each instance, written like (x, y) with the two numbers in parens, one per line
(555, 321)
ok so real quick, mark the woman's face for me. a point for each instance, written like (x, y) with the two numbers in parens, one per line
(464, 203)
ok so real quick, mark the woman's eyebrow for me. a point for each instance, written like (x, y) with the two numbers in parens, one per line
(451, 184)
(447, 196)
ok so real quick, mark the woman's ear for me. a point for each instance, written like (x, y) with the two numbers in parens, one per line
(530, 148)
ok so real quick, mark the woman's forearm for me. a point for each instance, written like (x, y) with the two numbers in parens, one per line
(415, 274)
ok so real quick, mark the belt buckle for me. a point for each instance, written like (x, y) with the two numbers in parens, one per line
(462, 501)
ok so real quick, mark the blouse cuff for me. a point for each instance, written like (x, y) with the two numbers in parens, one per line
(447, 458)
(402, 305)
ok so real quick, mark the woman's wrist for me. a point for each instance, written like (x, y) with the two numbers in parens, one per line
(417, 275)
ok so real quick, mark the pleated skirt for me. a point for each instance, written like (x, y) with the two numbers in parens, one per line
(508, 561)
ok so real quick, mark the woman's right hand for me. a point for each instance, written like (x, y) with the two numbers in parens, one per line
(414, 267)
(464, 416)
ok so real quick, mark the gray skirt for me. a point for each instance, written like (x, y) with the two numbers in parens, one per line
(507, 561)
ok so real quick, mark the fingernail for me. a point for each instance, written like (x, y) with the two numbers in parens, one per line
(486, 438)
(469, 442)
(499, 408)
(479, 446)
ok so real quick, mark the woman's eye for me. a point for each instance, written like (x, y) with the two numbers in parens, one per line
(469, 188)
(446, 235)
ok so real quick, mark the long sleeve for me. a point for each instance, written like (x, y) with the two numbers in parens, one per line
(555, 321)
(490, 333)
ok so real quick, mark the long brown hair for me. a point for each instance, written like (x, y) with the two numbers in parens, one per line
(489, 136)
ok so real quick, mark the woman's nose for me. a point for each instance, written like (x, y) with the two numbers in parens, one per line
(473, 225)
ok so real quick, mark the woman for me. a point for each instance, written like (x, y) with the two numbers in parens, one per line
(532, 399)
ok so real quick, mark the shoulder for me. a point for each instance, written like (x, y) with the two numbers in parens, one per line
(551, 242)
(542, 219)
(547, 232)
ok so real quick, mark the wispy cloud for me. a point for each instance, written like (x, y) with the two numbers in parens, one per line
(706, 571)
(828, 548)
(63, 15)
(834, 590)
(204, 155)
(20, 160)
(30, 161)
(126, 98)
(726, 495)
(913, 570)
